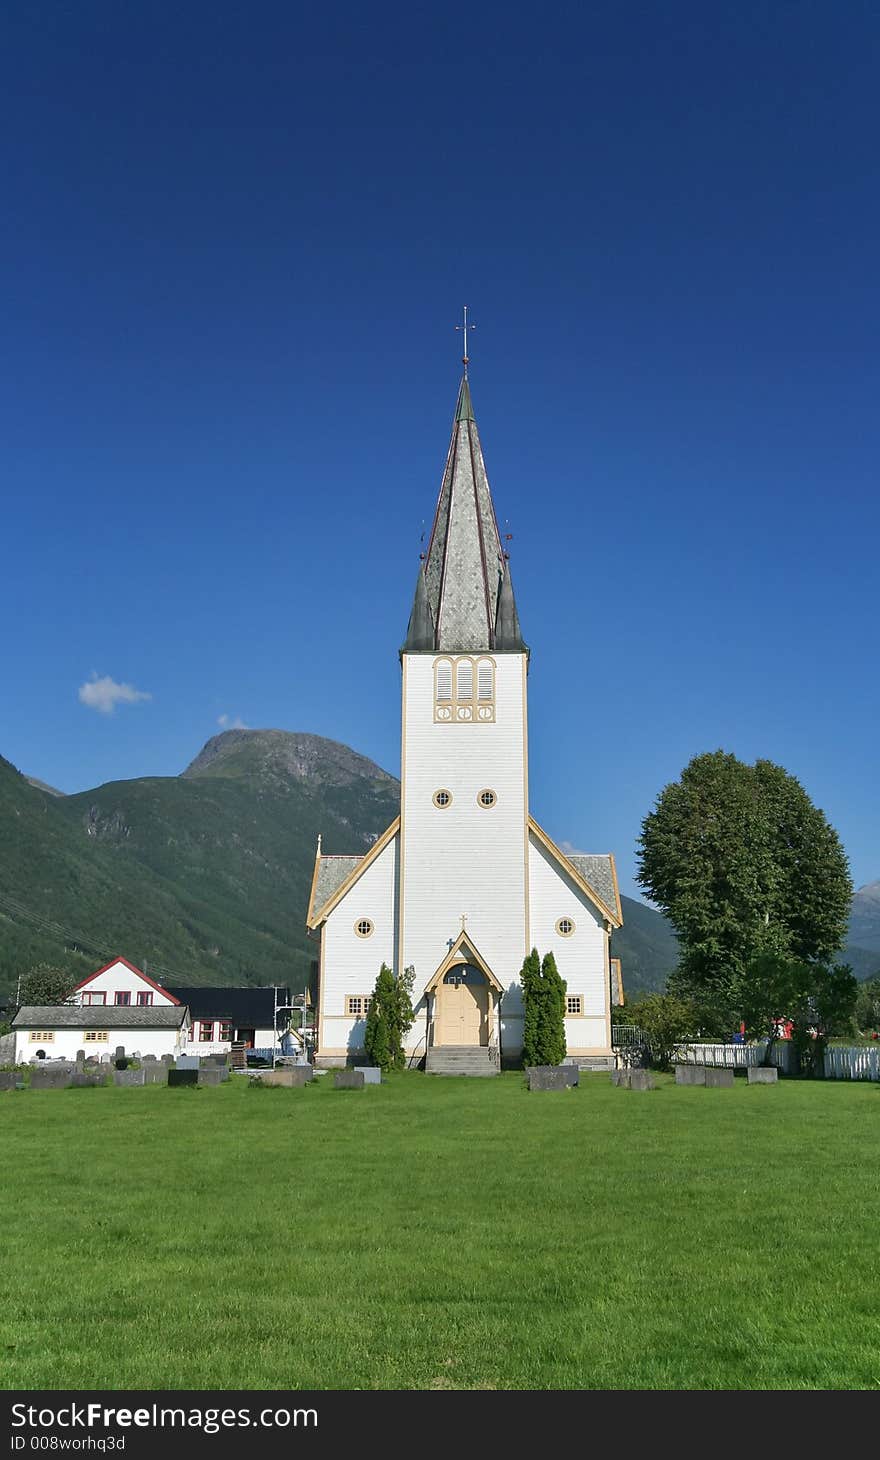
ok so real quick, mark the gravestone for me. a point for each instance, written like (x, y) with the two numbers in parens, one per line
(129, 1077)
(183, 1077)
(620, 1077)
(51, 1077)
(187, 1061)
(120, 1052)
(547, 1077)
(155, 1074)
(348, 1079)
(719, 1078)
(290, 1079)
(690, 1074)
(150, 1057)
(208, 1076)
(168, 1059)
(80, 1056)
(762, 1075)
(8, 1079)
(371, 1073)
(641, 1080)
(83, 1077)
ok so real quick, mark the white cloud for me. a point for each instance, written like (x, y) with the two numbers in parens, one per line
(226, 723)
(105, 694)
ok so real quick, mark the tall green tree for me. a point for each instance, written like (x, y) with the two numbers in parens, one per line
(743, 865)
(553, 1013)
(45, 984)
(543, 1011)
(530, 979)
(378, 1037)
(389, 1019)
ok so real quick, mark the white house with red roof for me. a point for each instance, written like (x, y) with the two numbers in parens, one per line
(120, 985)
(118, 1005)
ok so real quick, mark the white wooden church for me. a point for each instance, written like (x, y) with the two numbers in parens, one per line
(464, 882)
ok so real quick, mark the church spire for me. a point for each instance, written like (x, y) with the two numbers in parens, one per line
(464, 597)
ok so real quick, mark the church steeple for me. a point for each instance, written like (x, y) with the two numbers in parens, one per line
(464, 597)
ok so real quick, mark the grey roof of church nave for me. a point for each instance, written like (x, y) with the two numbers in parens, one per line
(332, 872)
(596, 869)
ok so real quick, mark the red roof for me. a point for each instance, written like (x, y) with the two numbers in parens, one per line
(131, 968)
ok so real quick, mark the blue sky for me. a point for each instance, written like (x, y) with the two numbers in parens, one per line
(236, 244)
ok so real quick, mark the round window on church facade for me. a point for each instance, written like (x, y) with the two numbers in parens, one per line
(363, 927)
(565, 927)
(442, 799)
(486, 799)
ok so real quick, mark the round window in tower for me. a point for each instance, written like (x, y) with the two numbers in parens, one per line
(486, 799)
(363, 927)
(442, 799)
(565, 927)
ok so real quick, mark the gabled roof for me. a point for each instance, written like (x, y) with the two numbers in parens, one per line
(101, 1016)
(464, 598)
(138, 972)
(586, 870)
(464, 950)
(331, 883)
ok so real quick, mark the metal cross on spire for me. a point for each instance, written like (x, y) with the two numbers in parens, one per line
(465, 327)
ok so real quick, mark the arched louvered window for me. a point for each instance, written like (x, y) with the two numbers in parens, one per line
(444, 680)
(464, 690)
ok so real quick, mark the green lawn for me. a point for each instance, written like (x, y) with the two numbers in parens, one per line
(442, 1234)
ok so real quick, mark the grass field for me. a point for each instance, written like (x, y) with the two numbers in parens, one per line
(442, 1234)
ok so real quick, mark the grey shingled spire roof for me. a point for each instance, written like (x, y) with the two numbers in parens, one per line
(464, 597)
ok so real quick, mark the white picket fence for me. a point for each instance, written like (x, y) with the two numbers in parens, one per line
(848, 1062)
(852, 1063)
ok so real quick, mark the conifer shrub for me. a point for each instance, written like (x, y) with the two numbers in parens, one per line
(552, 1013)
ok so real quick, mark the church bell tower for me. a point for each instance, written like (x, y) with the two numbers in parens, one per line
(464, 840)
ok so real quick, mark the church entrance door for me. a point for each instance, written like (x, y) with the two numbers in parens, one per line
(463, 1016)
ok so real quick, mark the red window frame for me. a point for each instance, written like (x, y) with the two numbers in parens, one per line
(226, 1029)
(94, 998)
(123, 997)
(203, 1025)
(145, 1000)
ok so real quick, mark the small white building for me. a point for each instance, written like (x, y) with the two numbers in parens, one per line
(58, 1031)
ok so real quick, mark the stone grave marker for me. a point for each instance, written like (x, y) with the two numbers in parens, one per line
(349, 1080)
(761, 1075)
(52, 1077)
(129, 1077)
(8, 1079)
(209, 1076)
(183, 1077)
(547, 1077)
(371, 1073)
(690, 1074)
(719, 1078)
(187, 1061)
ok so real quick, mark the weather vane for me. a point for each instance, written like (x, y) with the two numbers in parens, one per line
(465, 327)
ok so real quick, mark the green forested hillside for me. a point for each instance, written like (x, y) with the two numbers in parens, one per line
(205, 876)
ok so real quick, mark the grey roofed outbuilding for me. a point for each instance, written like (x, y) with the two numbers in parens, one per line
(464, 598)
(104, 1016)
(597, 870)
